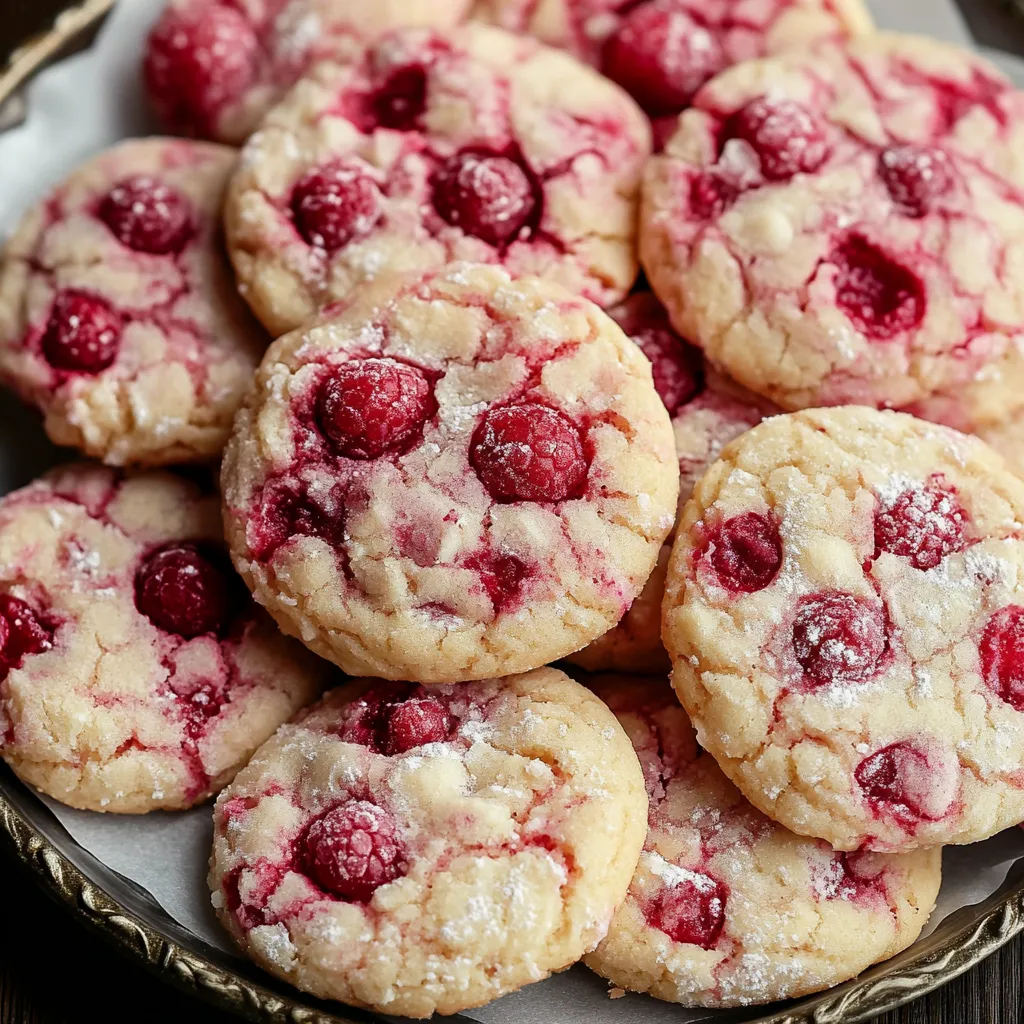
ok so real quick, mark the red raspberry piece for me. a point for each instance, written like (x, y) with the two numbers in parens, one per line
(711, 195)
(529, 453)
(858, 875)
(879, 295)
(502, 576)
(373, 407)
(353, 850)
(674, 364)
(198, 707)
(365, 721)
(147, 215)
(922, 524)
(416, 722)
(897, 776)
(21, 633)
(746, 552)
(691, 912)
(334, 204)
(915, 176)
(83, 333)
(838, 638)
(200, 58)
(181, 591)
(488, 196)
(1002, 655)
(285, 513)
(787, 137)
(661, 57)
(402, 100)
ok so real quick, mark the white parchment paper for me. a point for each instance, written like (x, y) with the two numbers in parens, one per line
(90, 101)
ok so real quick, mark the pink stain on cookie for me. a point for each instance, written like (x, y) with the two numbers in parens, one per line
(908, 782)
(921, 524)
(147, 215)
(334, 204)
(503, 577)
(489, 196)
(746, 552)
(711, 195)
(289, 510)
(838, 638)
(353, 850)
(83, 334)
(915, 176)
(22, 633)
(787, 137)
(882, 297)
(661, 56)
(855, 877)
(182, 592)
(1002, 655)
(368, 408)
(200, 59)
(416, 722)
(529, 452)
(692, 911)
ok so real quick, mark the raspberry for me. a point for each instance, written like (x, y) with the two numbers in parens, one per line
(21, 633)
(661, 57)
(285, 513)
(83, 333)
(198, 707)
(746, 552)
(200, 58)
(372, 407)
(898, 776)
(915, 176)
(365, 721)
(711, 195)
(502, 576)
(416, 722)
(838, 638)
(1002, 655)
(691, 912)
(334, 204)
(787, 137)
(674, 364)
(181, 591)
(488, 196)
(401, 101)
(922, 524)
(881, 297)
(147, 215)
(529, 453)
(851, 876)
(353, 850)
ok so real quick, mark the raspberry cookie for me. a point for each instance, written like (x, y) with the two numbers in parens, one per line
(727, 908)
(845, 616)
(707, 413)
(455, 477)
(663, 51)
(214, 67)
(415, 850)
(135, 672)
(119, 317)
(470, 145)
(839, 227)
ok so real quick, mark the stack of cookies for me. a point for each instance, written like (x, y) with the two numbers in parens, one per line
(458, 443)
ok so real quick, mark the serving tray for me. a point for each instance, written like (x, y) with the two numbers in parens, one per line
(126, 914)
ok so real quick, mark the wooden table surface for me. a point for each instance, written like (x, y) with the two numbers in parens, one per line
(53, 971)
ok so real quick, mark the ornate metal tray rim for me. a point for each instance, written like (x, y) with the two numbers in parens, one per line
(992, 924)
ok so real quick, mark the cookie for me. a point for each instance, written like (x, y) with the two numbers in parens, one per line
(413, 850)
(135, 672)
(727, 908)
(835, 227)
(473, 144)
(452, 478)
(663, 51)
(213, 68)
(707, 413)
(119, 318)
(844, 612)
